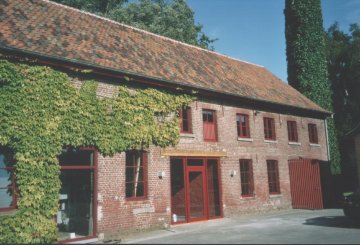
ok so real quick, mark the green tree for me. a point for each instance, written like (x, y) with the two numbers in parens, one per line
(306, 58)
(173, 19)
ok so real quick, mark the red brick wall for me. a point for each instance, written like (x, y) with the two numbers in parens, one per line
(117, 215)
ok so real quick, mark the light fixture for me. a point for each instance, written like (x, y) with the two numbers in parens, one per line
(256, 112)
(232, 173)
(161, 174)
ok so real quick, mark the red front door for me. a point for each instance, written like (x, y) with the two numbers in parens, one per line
(196, 194)
(195, 189)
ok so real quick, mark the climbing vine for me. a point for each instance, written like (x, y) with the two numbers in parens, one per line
(42, 112)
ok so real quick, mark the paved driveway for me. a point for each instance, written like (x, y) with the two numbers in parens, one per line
(288, 227)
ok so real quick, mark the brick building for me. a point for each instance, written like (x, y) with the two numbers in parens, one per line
(237, 139)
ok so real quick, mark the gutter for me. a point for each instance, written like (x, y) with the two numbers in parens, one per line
(327, 137)
(139, 78)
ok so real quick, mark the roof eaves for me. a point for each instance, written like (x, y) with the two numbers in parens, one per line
(171, 82)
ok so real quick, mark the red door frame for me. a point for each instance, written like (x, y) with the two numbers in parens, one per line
(93, 168)
(202, 169)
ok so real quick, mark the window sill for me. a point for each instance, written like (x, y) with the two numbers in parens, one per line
(134, 199)
(271, 141)
(294, 143)
(314, 145)
(248, 197)
(10, 211)
(245, 139)
(275, 195)
(187, 135)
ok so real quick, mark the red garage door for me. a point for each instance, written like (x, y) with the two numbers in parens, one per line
(305, 184)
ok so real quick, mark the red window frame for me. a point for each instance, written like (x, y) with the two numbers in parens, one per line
(185, 120)
(132, 165)
(269, 128)
(12, 187)
(292, 131)
(209, 125)
(273, 176)
(243, 128)
(313, 135)
(246, 178)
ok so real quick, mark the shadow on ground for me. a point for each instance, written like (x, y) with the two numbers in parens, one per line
(334, 221)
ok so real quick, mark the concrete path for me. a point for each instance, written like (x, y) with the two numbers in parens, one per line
(294, 226)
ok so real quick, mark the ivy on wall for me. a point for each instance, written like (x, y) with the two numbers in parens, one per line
(41, 112)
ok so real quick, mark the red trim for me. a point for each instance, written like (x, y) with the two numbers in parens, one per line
(187, 110)
(145, 177)
(240, 125)
(250, 177)
(203, 170)
(210, 133)
(292, 131)
(313, 136)
(269, 128)
(94, 168)
(273, 173)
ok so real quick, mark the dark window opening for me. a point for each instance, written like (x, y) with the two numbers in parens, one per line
(185, 120)
(136, 180)
(242, 123)
(313, 136)
(269, 128)
(292, 131)
(273, 176)
(246, 176)
(7, 181)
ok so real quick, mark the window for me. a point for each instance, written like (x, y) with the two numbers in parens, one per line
(292, 131)
(136, 179)
(269, 128)
(209, 125)
(313, 136)
(273, 176)
(185, 120)
(242, 123)
(246, 175)
(7, 183)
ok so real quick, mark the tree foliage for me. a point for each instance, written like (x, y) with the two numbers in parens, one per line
(343, 55)
(41, 113)
(306, 58)
(173, 19)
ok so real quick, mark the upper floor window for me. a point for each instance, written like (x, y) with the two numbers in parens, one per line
(7, 183)
(292, 131)
(246, 175)
(242, 123)
(269, 128)
(185, 120)
(135, 172)
(313, 136)
(273, 176)
(209, 125)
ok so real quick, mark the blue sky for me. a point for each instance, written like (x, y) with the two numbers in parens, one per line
(254, 30)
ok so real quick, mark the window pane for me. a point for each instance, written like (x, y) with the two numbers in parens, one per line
(76, 157)
(6, 198)
(135, 176)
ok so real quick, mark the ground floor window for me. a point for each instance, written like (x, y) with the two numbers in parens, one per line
(273, 176)
(7, 182)
(136, 177)
(246, 176)
(76, 217)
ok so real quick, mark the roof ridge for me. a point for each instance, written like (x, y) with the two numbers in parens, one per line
(147, 32)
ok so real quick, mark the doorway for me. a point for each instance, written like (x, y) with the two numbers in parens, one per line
(195, 189)
(76, 216)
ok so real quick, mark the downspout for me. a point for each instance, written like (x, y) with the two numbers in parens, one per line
(327, 137)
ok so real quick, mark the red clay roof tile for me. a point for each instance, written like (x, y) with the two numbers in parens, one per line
(52, 29)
